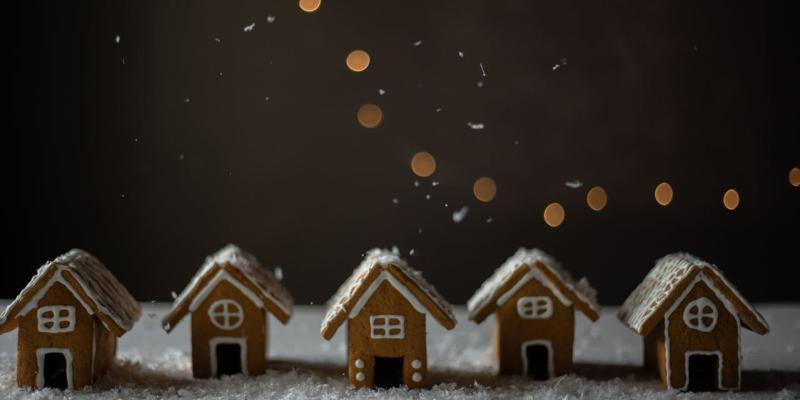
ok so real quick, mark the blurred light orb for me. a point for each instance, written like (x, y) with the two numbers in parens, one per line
(731, 199)
(357, 60)
(794, 177)
(369, 115)
(554, 215)
(664, 194)
(597, 198)
(309, 6)
(484, 189)
(423, 164)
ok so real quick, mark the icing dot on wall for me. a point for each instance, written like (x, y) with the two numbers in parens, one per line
(416, 377)
(309, 6)
(554, 215)
(663, 194)
(357, 60)
(360, 376)
(794, 176)
(596, 198)
(369, 115)
(359, 363)
(731, 199)
(484, 189)
(423, 164)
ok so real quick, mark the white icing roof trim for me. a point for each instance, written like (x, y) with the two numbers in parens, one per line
(525, 258)
(249, 266)
(381, 258)
(110, 296)
(658, 285)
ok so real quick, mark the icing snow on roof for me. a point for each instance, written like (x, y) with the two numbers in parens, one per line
(531, 260)
(649, 299)
(245, 263)
(107, 294)
(382, 259)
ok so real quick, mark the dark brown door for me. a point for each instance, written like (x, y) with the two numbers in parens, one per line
(388, 372)
(229, 359)
(55, 371)
(538, 359)
(703, 372)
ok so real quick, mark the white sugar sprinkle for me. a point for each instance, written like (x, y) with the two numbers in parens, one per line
(459, 215)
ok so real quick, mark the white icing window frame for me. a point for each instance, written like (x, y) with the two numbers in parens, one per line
(535, 307)
(706, 309)
(56, 319)
(230, 309)
(376, 327)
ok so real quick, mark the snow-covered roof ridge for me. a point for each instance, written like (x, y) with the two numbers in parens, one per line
(528, 261)
(105, 294)
(345, 296)
(671, 273)
(245, 264)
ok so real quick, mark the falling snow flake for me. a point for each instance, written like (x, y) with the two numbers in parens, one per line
(181, 156)
(574, 184)
(249, 28)
(411, 252)
(489, 220)
(174, 295)
(460, 54)
(416, 183)
(483, 71)
(439, 109)
(218, 40)
(270, 18)
(435, 183)
(395, 200)
(186, 100)
(116, 39)
(279, 273)
(459, 215)
(381, 92)
(417, 43)
(475, 125)
(480, 83)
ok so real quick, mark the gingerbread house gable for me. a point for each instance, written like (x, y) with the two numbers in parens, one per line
(89, 281)
(519, 269)
(673, 275)
(241, 270)
(381, 266)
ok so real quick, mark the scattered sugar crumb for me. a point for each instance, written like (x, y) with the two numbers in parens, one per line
(459, 215)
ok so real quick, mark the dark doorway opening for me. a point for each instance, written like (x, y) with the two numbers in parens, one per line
(388, 372)
(538, 359)
(55, 371)
(229, 359)
(703, 370)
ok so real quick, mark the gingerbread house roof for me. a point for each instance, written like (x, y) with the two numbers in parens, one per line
(100, 293)
(672, 274)
(378, 263)
(228, 263)
(528, 264)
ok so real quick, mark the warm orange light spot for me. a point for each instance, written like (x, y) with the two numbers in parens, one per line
(357, 60)
(794, 177)
(554, 215)
(731, 199)
(309, 5)
(484, 189)
(596, 198)
(663, 194)
(423, 164)
(369, 115)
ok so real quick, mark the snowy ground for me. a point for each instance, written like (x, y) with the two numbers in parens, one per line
(155, 365)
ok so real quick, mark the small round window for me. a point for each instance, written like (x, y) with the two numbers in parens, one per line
(226, 314)
(700, 314)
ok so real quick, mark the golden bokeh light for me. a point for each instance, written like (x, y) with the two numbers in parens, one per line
(794, 176)
(484, 189)
(423, 164)
(597, 198)
(369, 115)
(730, 199)
(554, 215)
(664, 194)
(309, 6)
(357, 60)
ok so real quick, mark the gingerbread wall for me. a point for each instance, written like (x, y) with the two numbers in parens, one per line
(387, 300)
(253, 329)
(655, 354)
(78, 341)
(511, 331)
(723, 338)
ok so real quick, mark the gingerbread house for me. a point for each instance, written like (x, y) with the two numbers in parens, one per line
(689, 316)
(228, 300)
(384, 303)
(68, 317)
(534, 301)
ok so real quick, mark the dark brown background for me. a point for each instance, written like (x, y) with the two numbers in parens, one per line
(700, 94)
